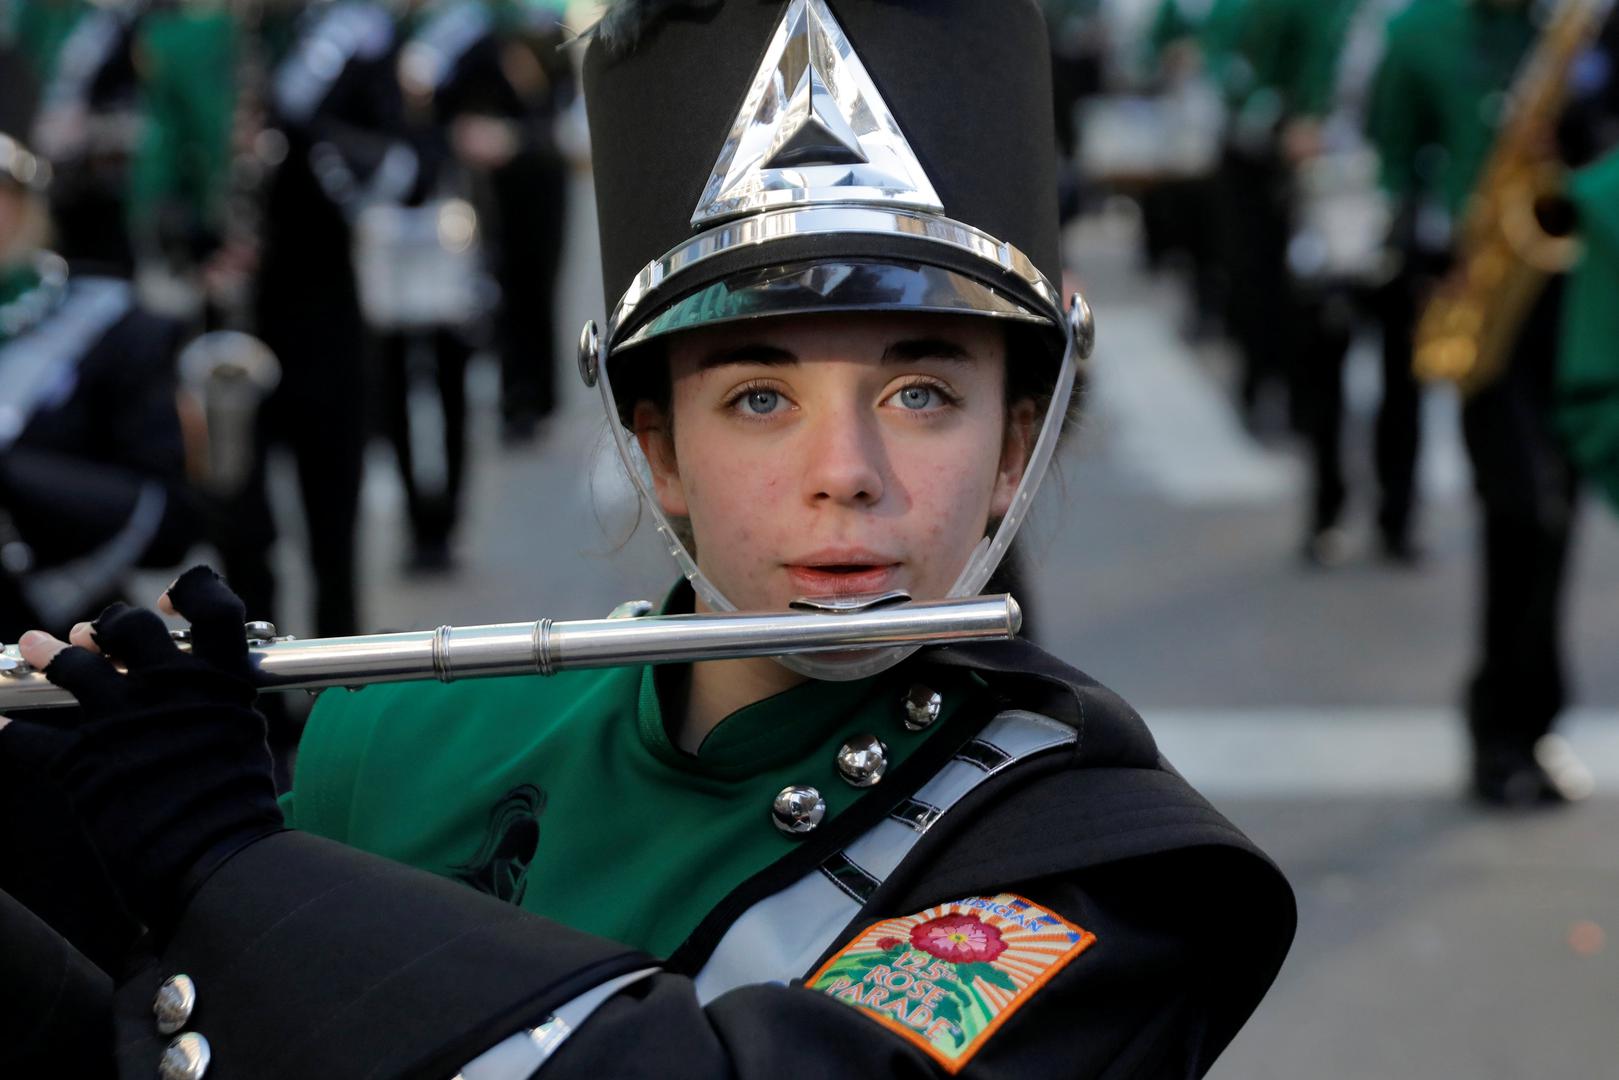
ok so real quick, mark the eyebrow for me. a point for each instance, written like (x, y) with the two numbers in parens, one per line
(900, 352)
(768, 355)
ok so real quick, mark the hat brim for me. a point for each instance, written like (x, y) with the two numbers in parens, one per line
(849, 285)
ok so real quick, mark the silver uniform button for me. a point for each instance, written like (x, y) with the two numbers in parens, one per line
(174, 1002)
(862, 760)
(922, 707)
(186, 1058)
(797, 809)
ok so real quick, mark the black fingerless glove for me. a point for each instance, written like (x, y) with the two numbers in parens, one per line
(170, 774)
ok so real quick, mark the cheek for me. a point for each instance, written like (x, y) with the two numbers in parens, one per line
(950, 486)
(733, 498)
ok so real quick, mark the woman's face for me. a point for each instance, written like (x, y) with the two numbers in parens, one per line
(826, 455)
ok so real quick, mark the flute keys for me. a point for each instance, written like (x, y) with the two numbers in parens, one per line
(259, 631)
(922, 707)
(797, 809)
(862, 759)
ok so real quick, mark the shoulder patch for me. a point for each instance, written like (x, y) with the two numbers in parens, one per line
(947, 978)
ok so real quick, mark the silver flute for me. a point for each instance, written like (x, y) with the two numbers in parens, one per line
(546, 647)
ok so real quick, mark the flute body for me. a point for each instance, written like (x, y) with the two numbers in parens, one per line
(546, 647)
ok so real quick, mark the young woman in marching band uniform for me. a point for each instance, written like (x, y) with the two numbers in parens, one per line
(837, 366)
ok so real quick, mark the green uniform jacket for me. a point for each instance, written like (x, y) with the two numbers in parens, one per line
(1291, 48)
(40, 28)
(1588, 367)
(187, 63)
(1438, 95)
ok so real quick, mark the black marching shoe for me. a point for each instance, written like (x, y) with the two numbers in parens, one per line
(1516, 779)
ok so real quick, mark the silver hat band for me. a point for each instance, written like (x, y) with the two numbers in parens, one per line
(772, 226)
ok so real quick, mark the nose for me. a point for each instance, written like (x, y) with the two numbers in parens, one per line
(844, 459)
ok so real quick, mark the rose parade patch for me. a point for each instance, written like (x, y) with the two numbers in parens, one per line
(948, 977)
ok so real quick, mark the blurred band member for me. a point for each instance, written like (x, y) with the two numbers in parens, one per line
(89, 127)
(1437, 107)
(500, 97)
(92, 465)
(333, 100)
(1310, 65)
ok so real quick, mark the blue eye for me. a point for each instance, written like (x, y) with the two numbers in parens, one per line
(762, 402)
(916, 397)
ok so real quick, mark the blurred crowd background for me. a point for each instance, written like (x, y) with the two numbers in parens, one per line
(293, 287)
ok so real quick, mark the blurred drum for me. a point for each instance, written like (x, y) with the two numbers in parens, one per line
(420, 266)
(1341, 222)
(1139, 142)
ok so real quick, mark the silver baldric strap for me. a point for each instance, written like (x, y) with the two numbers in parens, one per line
(781, 936)
(777, 939)
(516, 1058)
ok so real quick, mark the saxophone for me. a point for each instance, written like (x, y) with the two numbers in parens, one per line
(1505, 249)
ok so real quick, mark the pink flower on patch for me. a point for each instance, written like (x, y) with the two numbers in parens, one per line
(887, 943)
(961, 939)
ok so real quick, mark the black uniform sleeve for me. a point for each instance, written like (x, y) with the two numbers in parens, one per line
(1126, 1006)
(74, 479)
(314, 959)
(55, 1006)
(68, 506)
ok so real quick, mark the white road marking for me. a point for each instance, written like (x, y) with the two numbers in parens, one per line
(1352, 751)
(1169, 424)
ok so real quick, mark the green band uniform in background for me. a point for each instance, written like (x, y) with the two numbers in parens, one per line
(1588, 365)
(187, 62)
(39, 28)
(1437, 100)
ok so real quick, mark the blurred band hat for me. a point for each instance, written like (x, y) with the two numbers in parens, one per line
(756, 157)
(760, 158)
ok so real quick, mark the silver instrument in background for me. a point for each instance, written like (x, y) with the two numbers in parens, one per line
(228, 375)
(546, 647)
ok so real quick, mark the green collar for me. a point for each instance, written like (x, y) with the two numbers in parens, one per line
(759, 737)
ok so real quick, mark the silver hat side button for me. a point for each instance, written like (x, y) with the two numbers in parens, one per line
(186, 1058)
(862, 760)
(922, 707)
(173, 1004)
(797, 809)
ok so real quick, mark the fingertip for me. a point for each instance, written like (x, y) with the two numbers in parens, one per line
(84, 636)
(39, 649)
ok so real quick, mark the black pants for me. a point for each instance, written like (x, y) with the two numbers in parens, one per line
(530, 209)
(1182, 216)
(1526, 491)
(309, 316)
(1322, 330)
(1254, 220)
(426, 371)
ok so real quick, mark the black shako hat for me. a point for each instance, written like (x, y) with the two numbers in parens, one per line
(761, 157)
(758, 157)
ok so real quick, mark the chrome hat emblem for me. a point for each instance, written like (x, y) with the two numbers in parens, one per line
(813, 129)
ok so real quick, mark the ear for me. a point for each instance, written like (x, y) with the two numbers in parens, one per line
(651, 427)
(1022, 428)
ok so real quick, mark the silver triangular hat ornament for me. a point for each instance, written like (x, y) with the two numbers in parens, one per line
(813, 129)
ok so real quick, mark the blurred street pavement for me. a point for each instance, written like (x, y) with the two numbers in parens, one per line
(1317, 708)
